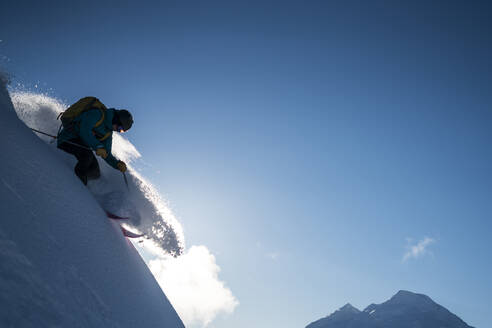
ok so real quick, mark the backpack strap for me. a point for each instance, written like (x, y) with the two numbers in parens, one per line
(102, 109)
(103, 116)
(100, 122)
(106, 136)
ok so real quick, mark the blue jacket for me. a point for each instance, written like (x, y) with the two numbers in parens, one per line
(83, 126)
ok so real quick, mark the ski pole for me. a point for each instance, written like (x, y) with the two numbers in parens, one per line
(46, 134)
(126, 181)
(54, 137)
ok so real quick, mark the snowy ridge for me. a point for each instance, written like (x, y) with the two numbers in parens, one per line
(63, 263)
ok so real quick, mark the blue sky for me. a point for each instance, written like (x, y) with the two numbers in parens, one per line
(309, 145)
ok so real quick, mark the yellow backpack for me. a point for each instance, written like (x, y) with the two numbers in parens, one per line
(81, 106)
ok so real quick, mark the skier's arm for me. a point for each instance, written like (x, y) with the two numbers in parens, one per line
(110, 159)
(87, 122)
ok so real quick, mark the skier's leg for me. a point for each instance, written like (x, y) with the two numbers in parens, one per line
(85, 158)
(93, 172)
(87, 168)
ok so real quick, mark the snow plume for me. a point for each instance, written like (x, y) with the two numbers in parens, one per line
(189, 278)
(38, 111)
(417, 250)
(192, 282)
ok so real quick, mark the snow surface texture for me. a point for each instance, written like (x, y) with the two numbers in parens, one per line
(191, 279)
(62, 262)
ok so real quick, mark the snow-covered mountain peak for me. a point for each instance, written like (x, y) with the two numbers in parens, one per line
(406, 294)
(349, 308)
(344, 314)
(404, 310)
(408, 298)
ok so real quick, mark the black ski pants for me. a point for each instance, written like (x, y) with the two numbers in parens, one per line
(87, 166)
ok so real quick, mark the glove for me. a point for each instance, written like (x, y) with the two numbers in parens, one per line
(121, 166)
(101, 152)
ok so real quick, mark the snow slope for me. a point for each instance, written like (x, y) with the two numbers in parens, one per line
(62, 262)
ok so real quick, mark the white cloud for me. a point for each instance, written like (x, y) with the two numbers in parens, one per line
(192, 284)
(417, 250)
(272, 255)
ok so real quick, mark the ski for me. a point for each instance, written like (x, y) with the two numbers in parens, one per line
(115, 217)
(129, 234)
(126, 233)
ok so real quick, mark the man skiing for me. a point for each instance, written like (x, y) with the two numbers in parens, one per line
(88, 125)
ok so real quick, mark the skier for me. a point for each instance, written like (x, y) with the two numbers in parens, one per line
(88, 125)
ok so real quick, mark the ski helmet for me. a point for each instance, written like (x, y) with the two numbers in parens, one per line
(125, 118)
